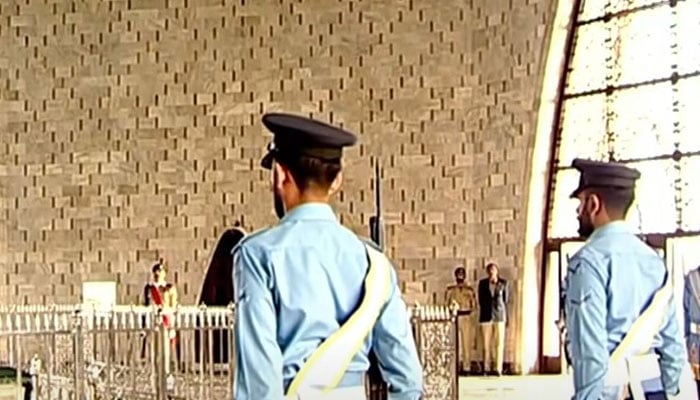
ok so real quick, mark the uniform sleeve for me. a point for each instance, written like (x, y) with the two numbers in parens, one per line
(395, 348)
(586, 315)
(472, 299)
(686, 307)
(258, 356)
(672, 355)
(479, 300)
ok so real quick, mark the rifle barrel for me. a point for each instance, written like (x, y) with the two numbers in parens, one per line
(377, 189)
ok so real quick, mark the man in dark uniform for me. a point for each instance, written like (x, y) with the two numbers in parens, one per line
(493, 302)
(620, 312)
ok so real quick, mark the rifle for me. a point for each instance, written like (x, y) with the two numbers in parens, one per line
(377, 387)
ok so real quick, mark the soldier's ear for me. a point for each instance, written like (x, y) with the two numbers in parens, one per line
(336, 184)
(281, 175)
(594, 204)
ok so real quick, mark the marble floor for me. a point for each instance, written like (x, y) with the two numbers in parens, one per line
(516, 387)
(541, 387)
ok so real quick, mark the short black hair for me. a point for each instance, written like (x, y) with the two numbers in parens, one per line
(617, 201)
(157, 267)
(311, 172)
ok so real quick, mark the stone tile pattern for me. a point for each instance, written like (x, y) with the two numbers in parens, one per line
(129, 130)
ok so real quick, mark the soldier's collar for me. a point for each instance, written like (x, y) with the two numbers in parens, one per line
(311, 211)
(611, 227)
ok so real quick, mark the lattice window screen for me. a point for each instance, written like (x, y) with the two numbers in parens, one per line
(632, 95)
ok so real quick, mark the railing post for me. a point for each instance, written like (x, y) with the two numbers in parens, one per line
(34, 370)
(454, 318)
(78, 354)
(160, 336)
(232, 346)
(170, 346)
(434, 330)
(416, 326)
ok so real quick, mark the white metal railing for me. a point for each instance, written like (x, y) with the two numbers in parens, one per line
(124, 352)
(128, 352)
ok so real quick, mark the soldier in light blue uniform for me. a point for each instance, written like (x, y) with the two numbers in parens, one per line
(298, 281)
(691, 314)
(610, 281)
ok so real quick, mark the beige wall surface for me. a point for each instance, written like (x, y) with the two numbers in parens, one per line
(128, 134)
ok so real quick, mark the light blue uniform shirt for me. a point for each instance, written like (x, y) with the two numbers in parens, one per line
(296, 284)
(610, 281)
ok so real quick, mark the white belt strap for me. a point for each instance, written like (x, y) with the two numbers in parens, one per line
(344, 393)
(629, 363)
(694, 280)
(327, 365)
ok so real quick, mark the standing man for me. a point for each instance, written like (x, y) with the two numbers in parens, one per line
(312, 298)
(493, 299)
(463, 295)
(691, 314)
(619, 302)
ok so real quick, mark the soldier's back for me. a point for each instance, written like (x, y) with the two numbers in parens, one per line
(632, 269)
(316, 272)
